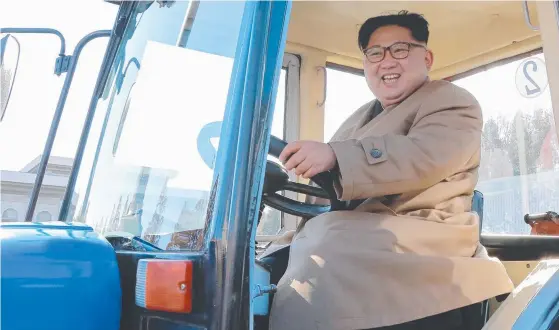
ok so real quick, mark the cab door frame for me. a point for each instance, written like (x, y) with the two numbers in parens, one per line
(548, 14)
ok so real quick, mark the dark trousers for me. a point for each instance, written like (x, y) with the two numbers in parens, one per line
(467, 318)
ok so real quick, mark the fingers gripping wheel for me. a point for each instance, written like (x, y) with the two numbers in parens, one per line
(277, 179)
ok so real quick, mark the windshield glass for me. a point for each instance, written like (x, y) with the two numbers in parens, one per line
(148, 170)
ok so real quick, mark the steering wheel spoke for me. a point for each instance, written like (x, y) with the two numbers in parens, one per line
(293, 207)
(305, 189)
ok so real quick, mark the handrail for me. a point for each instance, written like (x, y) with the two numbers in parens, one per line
(325, 85)
(527, 16)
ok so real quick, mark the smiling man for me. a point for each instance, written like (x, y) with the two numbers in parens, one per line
(407, 256)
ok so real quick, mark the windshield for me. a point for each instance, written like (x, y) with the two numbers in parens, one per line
(147, 168)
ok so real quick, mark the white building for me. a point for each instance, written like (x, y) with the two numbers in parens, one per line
(16, 187)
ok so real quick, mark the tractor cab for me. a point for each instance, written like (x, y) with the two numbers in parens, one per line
(176, 213)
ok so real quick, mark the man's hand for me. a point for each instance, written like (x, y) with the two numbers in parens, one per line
(308, 158)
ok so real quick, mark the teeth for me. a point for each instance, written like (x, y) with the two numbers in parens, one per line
(391, 77)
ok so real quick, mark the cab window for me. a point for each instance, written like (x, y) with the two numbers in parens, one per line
(519, 169)
(346, 91)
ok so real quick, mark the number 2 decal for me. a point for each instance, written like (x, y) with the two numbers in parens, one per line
(537, 88)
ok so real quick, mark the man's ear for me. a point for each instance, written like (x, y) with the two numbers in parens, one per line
(429, 59)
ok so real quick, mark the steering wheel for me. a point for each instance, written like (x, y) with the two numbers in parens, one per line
(277, 179)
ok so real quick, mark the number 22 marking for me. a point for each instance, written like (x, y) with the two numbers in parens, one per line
(537, 88)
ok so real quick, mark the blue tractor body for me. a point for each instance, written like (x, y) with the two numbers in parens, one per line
(58, 276)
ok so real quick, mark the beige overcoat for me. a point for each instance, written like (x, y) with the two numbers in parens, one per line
(389, 262)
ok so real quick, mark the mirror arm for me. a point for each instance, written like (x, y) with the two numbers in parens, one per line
(39, 30)
(62, 62)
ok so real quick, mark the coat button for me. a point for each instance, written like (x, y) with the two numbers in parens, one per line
(376, 153)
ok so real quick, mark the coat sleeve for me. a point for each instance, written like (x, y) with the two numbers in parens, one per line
(343, 130)
(445, 135)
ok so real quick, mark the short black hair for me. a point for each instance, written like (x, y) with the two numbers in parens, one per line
(416, 23)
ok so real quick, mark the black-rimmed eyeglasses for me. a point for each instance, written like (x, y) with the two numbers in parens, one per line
(398, 50)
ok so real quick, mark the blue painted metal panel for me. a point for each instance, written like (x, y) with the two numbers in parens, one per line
(215, 241)
(247, 126)
(277, 21)
(58, 276)
(543, 310)
(261, 279)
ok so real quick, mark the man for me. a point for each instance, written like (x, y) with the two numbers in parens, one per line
(408, 256)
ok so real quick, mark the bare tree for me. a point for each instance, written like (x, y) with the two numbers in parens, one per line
(535, 126)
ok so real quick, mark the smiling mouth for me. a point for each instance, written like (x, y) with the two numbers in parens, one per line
(390, 78)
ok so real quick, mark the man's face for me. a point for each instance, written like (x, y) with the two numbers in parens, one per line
(392, 79)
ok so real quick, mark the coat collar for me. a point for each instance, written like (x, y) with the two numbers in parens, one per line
(365, 123)
(413, 96)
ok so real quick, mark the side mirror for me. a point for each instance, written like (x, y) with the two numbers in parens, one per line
(9, 61)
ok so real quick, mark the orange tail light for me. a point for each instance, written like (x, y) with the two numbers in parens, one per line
(164, 285)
